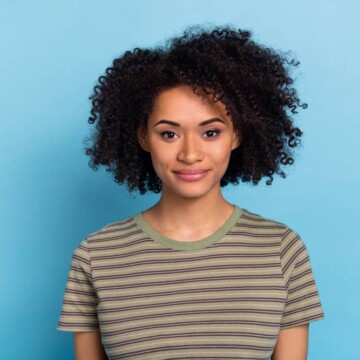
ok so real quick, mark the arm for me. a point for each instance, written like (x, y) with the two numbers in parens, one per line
(88, 346)
(292, 344)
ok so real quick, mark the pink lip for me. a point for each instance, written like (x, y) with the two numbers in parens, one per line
(191, 174)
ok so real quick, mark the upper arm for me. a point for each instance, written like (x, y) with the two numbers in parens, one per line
(292, 344)
(88, 346)
(303, 302)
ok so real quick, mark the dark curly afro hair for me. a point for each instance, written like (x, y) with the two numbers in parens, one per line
(252, 81)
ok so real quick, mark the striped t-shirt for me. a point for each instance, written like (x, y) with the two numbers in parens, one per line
(222, 297)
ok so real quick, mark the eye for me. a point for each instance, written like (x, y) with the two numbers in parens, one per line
(211, 133)
(168, 135)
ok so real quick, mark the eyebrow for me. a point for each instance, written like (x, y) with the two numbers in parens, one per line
(203, 123)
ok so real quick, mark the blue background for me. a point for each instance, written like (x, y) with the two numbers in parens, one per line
(51, 55)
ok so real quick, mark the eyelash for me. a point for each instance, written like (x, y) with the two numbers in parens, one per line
(215, 131)
(164, 134)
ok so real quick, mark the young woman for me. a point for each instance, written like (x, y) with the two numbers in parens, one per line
(194, 276)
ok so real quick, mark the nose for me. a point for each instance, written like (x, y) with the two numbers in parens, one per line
(190, 151)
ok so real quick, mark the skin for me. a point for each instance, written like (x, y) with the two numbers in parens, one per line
(187, 133)
(292, 344)
(88, 346)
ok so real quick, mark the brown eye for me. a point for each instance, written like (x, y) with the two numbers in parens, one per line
(168, 135)
(211, 133)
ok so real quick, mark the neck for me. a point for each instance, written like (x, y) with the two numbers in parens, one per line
(190, 218)
(188, 207)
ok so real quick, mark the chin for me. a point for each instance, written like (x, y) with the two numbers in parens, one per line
(192, 191)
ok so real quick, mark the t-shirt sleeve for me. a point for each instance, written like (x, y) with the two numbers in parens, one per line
(303, 302)
(80, 300)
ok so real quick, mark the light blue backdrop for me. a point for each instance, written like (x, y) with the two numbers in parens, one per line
(51, 54)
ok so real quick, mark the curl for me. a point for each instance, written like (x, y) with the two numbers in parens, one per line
(252, 81)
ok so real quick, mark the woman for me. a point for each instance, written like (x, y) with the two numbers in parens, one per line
(194, 276)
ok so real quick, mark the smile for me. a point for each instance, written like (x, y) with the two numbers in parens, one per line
(191, 174)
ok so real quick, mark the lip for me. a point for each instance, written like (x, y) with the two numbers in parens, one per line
(191, 174)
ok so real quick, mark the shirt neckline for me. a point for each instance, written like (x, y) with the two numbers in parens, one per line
(188, 245)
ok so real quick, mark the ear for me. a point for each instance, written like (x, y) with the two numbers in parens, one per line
(143, 138)
(237, 139)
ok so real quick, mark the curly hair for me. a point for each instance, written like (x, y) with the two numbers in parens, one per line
(251, 80)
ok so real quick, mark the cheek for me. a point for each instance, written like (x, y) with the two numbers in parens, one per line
(160, 159)
(221, 152)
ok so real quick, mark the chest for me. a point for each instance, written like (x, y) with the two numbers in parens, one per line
(212, 304)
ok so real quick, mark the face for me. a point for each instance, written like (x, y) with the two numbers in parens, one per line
(190, 140)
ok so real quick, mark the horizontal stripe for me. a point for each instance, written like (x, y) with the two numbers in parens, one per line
(183, 271)
(190, 347)
(224, 297)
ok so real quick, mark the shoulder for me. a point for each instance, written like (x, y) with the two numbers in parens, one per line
(292, 251)
(107, 236)
(266, 226)
(256, 221)
(252, 216)
(117, 226)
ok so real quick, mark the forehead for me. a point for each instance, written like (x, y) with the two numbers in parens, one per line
(180, 103)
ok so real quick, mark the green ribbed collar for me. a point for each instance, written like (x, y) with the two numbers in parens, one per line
(188, 245)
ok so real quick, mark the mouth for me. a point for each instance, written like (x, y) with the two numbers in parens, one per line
(191, 174)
